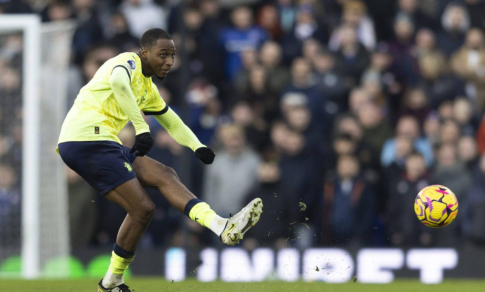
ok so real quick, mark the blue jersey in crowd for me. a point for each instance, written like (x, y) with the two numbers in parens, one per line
(235, 41)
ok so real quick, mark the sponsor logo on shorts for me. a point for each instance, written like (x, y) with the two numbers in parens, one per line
(128, 166)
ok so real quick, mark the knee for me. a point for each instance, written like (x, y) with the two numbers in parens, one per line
(144, 212)
(169, 172)
(167, 175)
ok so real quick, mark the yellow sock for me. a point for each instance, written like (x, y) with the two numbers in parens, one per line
(118, 264)
(205, 216)
(117, 268)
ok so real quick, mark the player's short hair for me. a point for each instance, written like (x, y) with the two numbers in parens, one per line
(151, 36)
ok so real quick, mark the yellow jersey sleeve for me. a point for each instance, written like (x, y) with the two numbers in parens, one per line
(178, 130)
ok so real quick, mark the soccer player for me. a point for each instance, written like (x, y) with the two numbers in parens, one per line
(88, 144)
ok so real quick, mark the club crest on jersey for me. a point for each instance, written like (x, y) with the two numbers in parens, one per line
(132, 64)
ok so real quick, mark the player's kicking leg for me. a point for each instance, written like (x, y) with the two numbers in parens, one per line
(231, 230)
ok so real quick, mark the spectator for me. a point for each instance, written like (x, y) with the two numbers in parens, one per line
(57, 10)
(209, 50)
(311, 48)
(376, 128)
(403, 228)
(303, 182)
(249, 59)
(463, 115)
(342, 144)
(82, 211)
(236, 165)
(268, 20)
(12, 49)
(122, 38)
(411, 9)
(455, 22)
(451, 171)
(287, 14)
(481, 136)
(15, 7)
(251, 120)
(303, 81)
(408, 127)
(331, 83)
(143, 15)
(449, 132)
(357, 99)
(306, 27)
(205, 117)
(255, 89)
(382, 74)
(400, 49)
(10, 82)
(468, 153)
(438, 84)
(355, 14)
(431, 128)
(374, 88)
(426, 44)
(278, 75)
(167, 149)
(278, 134)
(211, 9)
(244, 35)
(281, 208)
(88, 32)
(404, 148)
(415, 104)
(299, 118)
(352, 57)
(469, 64)
(472, 206)
(10, 205)
(366, 152)
(445, 110)
(349, 205)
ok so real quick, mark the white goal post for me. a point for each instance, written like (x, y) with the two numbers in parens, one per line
(44, 207)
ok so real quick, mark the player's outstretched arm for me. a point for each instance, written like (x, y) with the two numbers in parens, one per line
(120, 84)
(184, 136)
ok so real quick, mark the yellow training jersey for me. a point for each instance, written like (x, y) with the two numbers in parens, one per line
(96, 114)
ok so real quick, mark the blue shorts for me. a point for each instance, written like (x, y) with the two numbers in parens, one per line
(103, 164)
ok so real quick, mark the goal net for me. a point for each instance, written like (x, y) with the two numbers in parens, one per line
(34, 221)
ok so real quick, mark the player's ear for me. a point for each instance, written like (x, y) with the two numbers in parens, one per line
(143, 53)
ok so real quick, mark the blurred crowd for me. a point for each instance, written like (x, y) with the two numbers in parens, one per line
(335, 112)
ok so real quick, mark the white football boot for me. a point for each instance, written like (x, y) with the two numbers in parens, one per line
(240, 223)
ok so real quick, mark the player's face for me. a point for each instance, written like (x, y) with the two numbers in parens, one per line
(160, 57)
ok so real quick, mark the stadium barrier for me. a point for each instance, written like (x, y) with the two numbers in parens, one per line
(331, 265)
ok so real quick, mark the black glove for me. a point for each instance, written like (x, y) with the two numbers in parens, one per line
(143, 144)
(205, 154)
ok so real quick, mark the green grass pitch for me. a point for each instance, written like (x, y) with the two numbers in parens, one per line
(159, 284)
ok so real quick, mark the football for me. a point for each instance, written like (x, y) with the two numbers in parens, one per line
(436, 206)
